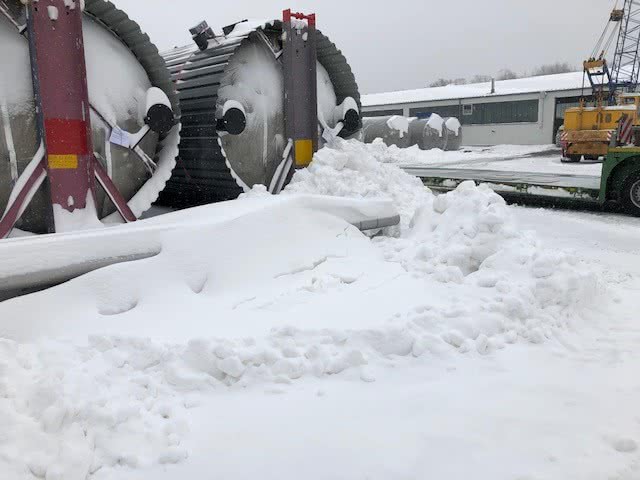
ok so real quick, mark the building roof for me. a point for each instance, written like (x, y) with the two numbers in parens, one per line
(545, 83)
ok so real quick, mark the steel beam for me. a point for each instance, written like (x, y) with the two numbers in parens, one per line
(300, 85)
(59, 72)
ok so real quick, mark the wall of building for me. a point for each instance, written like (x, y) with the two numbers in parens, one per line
(521, 119)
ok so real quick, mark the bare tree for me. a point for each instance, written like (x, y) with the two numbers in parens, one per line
(480, 79)
(552, 68)
(441, 82)
(506, 74)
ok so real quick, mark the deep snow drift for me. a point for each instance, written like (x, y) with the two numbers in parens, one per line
(105, 374)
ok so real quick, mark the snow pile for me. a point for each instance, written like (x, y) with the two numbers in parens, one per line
(266, 296)
(348, 169)
(468, 237)
(69, 412)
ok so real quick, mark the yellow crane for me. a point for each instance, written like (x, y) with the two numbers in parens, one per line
(612, 118)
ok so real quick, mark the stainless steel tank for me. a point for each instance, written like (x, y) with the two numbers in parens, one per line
(393, 130)
(427, 133)
(122, 64)
(452, 133)
(231, 91)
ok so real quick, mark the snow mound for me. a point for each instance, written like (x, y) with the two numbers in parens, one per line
(280, 292)
(347, 168)
(469, 237)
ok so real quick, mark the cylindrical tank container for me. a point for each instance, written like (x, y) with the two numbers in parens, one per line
(122, 65)
(427, 133)
(393, 130)
(452, 133)
(231, 90)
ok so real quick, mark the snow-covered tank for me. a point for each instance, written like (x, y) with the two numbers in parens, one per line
(393, 130)
(427, 133)
(452, 130)
(122, 65)
(231, 91)
(432, 132)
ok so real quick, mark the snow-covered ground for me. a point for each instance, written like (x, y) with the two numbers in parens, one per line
(476, 340)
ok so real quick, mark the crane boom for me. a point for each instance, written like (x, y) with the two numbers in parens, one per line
(626, 63)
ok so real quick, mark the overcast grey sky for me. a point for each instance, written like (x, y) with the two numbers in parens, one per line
(401, 44)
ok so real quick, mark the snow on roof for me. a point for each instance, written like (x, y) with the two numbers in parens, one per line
(546, 83)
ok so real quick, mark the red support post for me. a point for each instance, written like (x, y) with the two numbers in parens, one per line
(60, 84)
(299, 59)
(113, 193)
(287, 15)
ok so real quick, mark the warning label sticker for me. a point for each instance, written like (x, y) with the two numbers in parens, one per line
(63, 162)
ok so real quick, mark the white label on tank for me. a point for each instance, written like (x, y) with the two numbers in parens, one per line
(120, 137)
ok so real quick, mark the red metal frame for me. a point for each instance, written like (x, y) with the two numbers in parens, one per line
(60, 86)
(56, 45)
(287, 15)
(12, 214)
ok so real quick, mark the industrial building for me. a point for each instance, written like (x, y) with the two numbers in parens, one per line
(524, 111)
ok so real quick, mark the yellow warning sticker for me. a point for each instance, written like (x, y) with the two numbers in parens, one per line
(63, 162)
(304, 152)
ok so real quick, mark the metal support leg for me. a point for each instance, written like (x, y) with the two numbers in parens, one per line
(114, 195)
(23, 192)
(300, 82)
(56, 46)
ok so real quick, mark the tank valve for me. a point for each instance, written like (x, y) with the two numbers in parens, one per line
(234, 118)
(348, 112)
(159, 119)
(159, 113)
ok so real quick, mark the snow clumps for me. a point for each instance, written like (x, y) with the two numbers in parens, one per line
(348, 169)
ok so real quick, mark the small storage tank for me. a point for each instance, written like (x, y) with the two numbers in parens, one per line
(122, 65)
(428, 133)
(231, 90)
(393, 130)
(452, 134)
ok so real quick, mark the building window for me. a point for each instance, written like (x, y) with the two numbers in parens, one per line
(467, 110)
(383, 113)
(443, 110)
(522, 111)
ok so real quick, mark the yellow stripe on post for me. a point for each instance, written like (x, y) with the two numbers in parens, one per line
(304, 152)
(63, 162)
